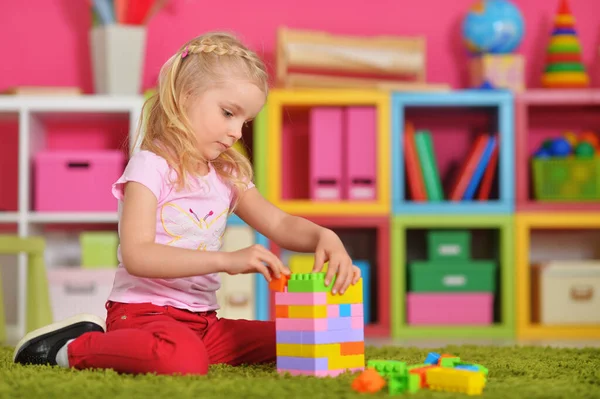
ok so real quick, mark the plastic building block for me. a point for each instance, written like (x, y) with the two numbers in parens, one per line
(369, 381)
(432, 358)
(309, 282)
(353, 295)
(315, 324)
(345, 310)
(448, 361)
(421, 371)
(453, 380)
(278, 284)
(319, 337)
(301, 298)
(352, 348)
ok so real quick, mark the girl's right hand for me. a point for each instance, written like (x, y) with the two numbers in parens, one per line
(253, 259)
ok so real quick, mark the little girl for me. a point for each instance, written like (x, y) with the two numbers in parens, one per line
(175, 195)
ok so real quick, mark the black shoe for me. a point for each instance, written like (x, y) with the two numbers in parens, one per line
(40, 346)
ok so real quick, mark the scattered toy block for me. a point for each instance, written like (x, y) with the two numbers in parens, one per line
(432, 358)
(278, 284)
(369, 381)
(453, 380)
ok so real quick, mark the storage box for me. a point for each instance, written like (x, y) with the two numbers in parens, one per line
(566, 179)
(99, 249)
(449, 309)
(449, 245)
(566, 292)
(77, 180)
(75, 290)
(457, 276)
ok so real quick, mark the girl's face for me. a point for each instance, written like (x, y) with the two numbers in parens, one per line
(218, 115)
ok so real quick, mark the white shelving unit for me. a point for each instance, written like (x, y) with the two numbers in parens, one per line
(31, 114)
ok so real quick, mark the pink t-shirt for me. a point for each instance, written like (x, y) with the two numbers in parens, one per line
(193, 218)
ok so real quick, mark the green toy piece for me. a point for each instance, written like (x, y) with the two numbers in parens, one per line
(309, 282)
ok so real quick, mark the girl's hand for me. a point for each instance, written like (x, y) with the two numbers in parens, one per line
(253, 259)
(331, 249)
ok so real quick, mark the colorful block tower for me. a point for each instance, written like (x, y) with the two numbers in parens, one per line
(318, 333)
(564, 65)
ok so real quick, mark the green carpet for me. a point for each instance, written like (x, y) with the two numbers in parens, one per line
(514, 372)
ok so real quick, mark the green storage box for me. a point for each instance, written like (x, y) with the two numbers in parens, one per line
(566, 179)
(471, 276)
(447, 245)
(99, 249)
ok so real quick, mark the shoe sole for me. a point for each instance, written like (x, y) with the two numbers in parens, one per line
(33, 336)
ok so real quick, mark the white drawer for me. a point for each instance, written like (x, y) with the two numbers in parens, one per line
(74, 291)
(569, 292)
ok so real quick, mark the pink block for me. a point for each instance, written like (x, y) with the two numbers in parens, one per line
(333, 310)
(77, 180)
(468, 308)
(361, 153)
(301, 324)
(301, 298)
(358, 322)
(320, 373)
(356, 309)
(326, 150)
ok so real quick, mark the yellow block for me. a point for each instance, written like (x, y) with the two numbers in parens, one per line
(308, 350)
(348, 361)
(354, 294)
(307, 311)
(300, 263)
(453, 380)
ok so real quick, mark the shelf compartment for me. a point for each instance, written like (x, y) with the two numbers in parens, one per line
(365, 238)
(281, 136)
(454, 120)
(542, 114)
(536, 235)
(9, 163)
(491, 241)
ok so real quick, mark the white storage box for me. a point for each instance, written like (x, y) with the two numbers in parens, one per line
(74, 291)
(237, 296)
(569, 292)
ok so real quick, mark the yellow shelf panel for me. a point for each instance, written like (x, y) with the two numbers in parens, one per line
(329, 97)
(524, 223)
(337, 208)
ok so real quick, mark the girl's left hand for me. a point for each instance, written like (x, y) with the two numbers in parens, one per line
(331, 249)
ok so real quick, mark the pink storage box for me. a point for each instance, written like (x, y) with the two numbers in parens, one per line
(70, 181)
(450, 309)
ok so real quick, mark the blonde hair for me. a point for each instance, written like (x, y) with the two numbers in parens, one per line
(203, 61)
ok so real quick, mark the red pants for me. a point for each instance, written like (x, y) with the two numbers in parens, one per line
(145, 338)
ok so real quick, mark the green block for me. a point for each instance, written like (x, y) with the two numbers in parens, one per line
(414, 383)
(449, 361)
(309, 282)
(449, 245)
(452, 276)
(388, 368)
(99, 249)
(397, 385)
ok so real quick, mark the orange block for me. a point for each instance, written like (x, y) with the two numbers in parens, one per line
(278, 284)
(369, 381)
(443, 356)
(352, 348)
(281, 311)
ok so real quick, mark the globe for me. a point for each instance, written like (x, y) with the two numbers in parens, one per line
(493, 26)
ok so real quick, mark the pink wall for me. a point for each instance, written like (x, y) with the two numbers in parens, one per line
(45, 41)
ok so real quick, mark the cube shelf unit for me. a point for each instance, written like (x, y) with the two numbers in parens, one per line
(486, 111)
(272, 156)
(503, 326)
(525, 224)
(33, 116)
(543, 114)
(237, 236)
(378, 256)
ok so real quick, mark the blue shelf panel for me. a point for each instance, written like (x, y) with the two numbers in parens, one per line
(453, 208)
(504, 103)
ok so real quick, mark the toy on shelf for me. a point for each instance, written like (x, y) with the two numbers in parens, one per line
(438, 373)
(564, 65)
(376, 59)
(450, 287)
(567, 168)
(492, 30)
(318, 333)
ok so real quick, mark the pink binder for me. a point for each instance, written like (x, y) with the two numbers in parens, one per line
(361, 129)
(326, 153)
